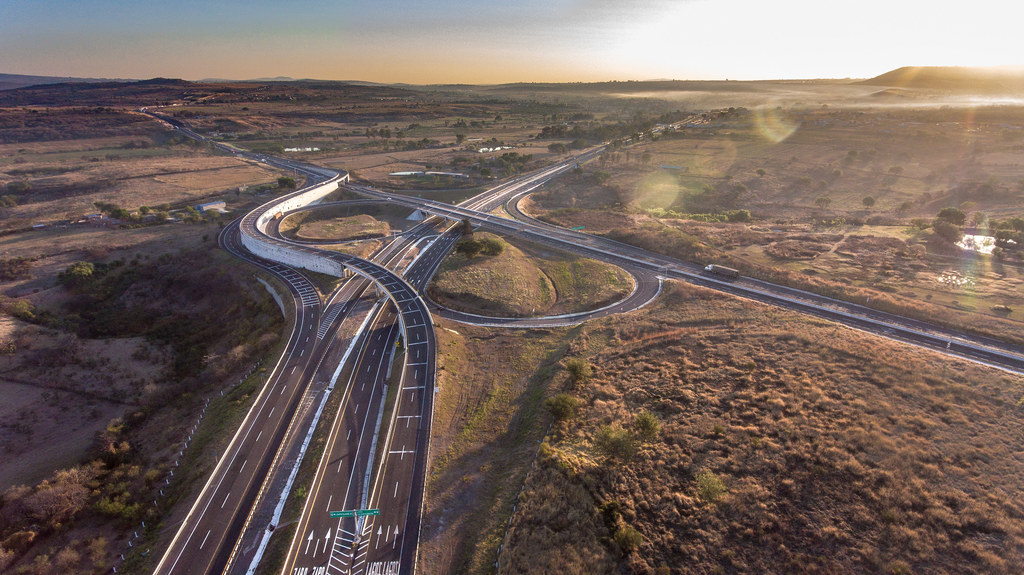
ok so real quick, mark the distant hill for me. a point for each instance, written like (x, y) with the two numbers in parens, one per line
(13, 81)
(987, 81)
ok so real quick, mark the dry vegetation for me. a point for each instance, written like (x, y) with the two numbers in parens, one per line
(784, 446)
(806, 187)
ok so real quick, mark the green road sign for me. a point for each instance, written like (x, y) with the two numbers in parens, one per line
(354, 513)
(578, 228)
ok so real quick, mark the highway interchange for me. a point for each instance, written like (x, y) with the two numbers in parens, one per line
(383, 367)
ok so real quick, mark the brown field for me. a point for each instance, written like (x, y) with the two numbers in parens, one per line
(785, 446)
(913, 162)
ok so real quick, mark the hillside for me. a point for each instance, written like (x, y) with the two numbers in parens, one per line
(953, 79)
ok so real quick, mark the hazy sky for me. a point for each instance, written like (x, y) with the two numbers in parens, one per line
(513, 40)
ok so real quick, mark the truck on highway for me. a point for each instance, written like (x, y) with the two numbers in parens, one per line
(722, 271)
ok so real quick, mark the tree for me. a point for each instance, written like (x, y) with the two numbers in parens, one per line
(77, 274)
(761, 172)
(286, 182)
(951, 215)
(467, 227)
(823, 202)
(868, 201)
(469, 248)
(459, 138)
(558, 148)
(946, 231)
(562, 406)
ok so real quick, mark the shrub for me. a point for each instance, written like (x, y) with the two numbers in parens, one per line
(709, 487)
(579, 369)
(562, 406)
(647, 426)
(629, 539)
(616, 443)
(469, 248)
(492, 246)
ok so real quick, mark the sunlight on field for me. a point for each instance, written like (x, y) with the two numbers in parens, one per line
(771, 124)
(658, 189)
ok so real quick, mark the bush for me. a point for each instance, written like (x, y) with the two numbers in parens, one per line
(629, 539)
(709, 487)
(562, 406)
(647, 426)
(615, 443)
(579, 369)
(492, 246)
(469, 248)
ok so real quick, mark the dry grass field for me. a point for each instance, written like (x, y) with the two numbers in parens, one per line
(805, 190)
(784, 446)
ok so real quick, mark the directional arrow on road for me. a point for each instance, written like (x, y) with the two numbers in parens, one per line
(308, 541)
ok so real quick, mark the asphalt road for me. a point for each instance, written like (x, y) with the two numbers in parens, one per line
(387, 543)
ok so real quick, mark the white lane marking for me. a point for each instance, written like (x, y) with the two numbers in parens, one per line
(293, 368)
(349, 434)
(204, 540)
(226, 499)
(260, 434)
(282, 390)
(396, 492)
(243, 465)
(329, 503)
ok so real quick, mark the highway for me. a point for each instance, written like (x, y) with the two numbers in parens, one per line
(349, 477)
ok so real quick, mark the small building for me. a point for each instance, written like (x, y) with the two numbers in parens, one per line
(215, 206)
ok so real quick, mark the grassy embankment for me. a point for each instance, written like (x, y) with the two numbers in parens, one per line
(526, 280)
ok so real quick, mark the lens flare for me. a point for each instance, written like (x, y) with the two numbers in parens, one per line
(772, 125)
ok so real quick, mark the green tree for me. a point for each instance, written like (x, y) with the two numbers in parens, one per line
(77, 274)
(761, 172)
(951, 215)
(823, 202)
(868, 201)
(459, 138)
(562, 406)
(469, 248)
(558, 148)
(947, 231)
(286, 183)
